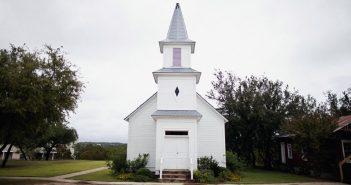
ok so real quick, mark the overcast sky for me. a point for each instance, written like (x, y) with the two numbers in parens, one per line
(304, 43)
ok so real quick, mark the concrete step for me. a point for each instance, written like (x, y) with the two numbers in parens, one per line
(176, 176)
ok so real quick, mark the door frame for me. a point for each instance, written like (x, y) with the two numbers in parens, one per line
(175, 137)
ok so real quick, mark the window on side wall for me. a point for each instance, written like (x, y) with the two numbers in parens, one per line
(346, 148)
(177, 57)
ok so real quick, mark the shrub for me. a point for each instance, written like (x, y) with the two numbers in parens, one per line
(142, 178)
(118, 164)
(233, 177)
(145, 172)
(125, 176)
(208, 163)
(204, 176)
(139, 162)
(224, 175)
(233, 162)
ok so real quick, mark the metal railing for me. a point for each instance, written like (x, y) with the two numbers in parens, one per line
(161, 167)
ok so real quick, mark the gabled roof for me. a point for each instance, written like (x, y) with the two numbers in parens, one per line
(176, 113)
(161, 113)
(179, 71)
(342, 122)
(213, 108)
(177, 33)
(131, 114)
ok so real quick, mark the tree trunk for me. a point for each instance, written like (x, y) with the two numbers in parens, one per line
(24, 154)
(267, 157)
(48, 151)
(253, 161)
(6, 157)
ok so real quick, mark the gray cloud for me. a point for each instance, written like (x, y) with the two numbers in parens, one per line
(306, 44)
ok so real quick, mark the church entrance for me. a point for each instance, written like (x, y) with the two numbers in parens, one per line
(176, 150)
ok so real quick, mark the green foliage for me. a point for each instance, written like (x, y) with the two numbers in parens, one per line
(139, 162)
(118, 164)
(339, 106)
(93, 151)
(126, 176)
(57, 134)
(145, 172)
(204, 176)
(255, 108)
(208, 163)
(63, 152)
(232, 161)
(142, 178)
(37, 90)
(224, 175)
(313, 131)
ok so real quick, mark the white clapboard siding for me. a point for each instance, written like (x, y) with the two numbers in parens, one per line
(142, 133)
(211, 134)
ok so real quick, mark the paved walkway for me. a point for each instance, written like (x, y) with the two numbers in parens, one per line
(62, 179)
(78, 173)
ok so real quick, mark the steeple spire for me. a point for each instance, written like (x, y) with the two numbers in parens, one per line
(177, 29)
(177, 33)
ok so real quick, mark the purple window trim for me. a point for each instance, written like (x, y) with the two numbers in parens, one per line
(177, 53)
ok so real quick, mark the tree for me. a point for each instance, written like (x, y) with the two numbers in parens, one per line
(37, 89)
(255, 108)
(55, 135)
(312, 132)
(339, 106)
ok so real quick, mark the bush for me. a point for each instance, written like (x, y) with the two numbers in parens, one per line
(224, 175)
(142, 178)
(204, 176)
(208, 163)
(125, 176)
(145, 172)
(118, 164)
(233, 162)
(139, 162)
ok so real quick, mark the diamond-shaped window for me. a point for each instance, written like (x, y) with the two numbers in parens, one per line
(176, 91)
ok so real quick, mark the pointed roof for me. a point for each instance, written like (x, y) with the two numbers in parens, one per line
(177, 30)
(177, 33)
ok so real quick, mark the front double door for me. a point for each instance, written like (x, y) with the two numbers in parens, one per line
(176, 153)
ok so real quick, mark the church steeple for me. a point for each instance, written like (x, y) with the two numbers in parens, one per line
(177, 29)
(177, 33)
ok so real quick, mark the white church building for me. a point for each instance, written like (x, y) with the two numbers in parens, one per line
(176, 126)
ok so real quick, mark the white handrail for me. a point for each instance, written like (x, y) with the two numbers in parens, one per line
(161, 167)
(191, 169)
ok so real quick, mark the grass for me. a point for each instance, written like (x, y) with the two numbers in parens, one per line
(249, 176)
(23, 182)
(103, 175)
(47, 168)
(257, 176)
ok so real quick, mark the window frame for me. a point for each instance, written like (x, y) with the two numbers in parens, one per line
(343, 148)
(177, 57)
(289, 148)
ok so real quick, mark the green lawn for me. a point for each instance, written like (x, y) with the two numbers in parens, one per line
(25, 182)
(249, 176)
(47, 168)
(104, 175)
